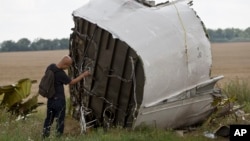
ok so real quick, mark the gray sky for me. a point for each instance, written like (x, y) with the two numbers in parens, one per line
(51, 19)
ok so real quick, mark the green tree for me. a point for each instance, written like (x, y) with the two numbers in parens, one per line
(229, 33)
(9, 45)
(64, 43)
(247, 32)
(23, 44)
(42, 44)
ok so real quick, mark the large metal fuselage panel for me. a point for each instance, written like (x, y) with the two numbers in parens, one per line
(110, 91)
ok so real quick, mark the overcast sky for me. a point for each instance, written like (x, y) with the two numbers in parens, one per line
(50, 19)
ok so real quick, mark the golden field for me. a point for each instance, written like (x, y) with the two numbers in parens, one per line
(18, 65)
(229, 59)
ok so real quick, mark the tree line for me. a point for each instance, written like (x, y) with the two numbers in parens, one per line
(24, 44)
(229, 35)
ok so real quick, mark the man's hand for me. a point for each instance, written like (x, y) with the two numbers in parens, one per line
(85, 74)
(80, 77)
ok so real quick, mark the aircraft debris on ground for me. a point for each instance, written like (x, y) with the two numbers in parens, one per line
(150, 65)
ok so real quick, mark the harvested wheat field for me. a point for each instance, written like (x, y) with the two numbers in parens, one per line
(18, 65)
(229, 59)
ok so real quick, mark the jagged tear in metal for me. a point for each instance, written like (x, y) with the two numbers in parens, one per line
(150, 65)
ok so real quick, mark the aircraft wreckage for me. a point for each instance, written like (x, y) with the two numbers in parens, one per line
(150, 65)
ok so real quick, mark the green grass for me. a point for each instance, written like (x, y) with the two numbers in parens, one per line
(31, 128)
(240, 89)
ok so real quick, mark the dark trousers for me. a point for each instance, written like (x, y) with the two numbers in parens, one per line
(55, 110)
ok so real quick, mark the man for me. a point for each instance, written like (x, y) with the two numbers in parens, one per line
(56, 105)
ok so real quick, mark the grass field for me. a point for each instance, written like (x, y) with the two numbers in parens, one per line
(229, 59)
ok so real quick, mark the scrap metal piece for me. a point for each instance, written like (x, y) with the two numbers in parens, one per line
(17, 98)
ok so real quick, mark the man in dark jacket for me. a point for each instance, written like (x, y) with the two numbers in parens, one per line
(56, 106)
